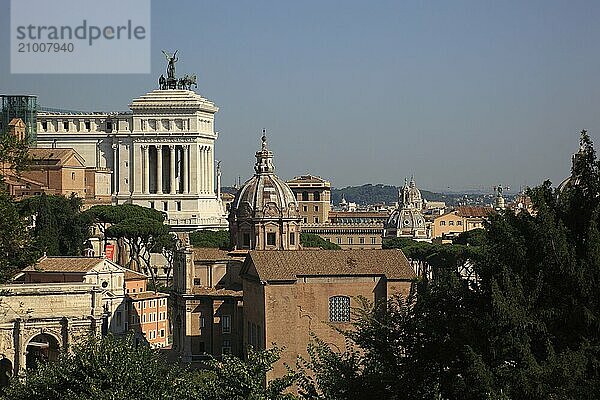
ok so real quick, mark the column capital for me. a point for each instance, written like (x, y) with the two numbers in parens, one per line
(172, 147)
(159, 146)
(144, 147)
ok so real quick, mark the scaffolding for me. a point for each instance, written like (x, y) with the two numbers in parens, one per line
(20, 106)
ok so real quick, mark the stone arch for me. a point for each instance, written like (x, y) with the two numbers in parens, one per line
(41, 347)
(6, 371)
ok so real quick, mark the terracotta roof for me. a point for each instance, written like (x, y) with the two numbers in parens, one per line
(474, 211)
(290, 264)
(16, 122)
(55, 156)
(216, 292)
(65, 264)
(147, 295)
(209, 254)
(358, 214)
(133, 275)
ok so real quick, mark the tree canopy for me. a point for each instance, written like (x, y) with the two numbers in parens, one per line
(527, 328)
(314, 240)
(215, 239)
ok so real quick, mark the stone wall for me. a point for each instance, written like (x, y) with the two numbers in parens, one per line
(66, 312)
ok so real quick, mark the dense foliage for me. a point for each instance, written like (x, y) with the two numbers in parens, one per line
(58, 226)
(527, 328)
(215, 239)
(116, 369)
(314, 240)
(15, 242)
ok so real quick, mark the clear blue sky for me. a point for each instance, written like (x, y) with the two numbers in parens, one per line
(463, 94)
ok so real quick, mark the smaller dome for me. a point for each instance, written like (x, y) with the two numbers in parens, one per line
(264, 195)
(406, 219)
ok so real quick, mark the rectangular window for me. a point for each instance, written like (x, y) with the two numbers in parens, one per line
(305, 220)
(361, 240)
(226, 323)
(451, 223)
(246, 239)
(292, 238)
(45, 125)
(162, 333)
(317, 208)
(202, 322)
(178, 204)
(305, 208)
(226, 349)
(109, 126)
(442, 223)
(165, 205)
(66, 125)
(459, 223)
(271, 238)
(87, 125)
(197, 282)
(151, 204)
(316, 220)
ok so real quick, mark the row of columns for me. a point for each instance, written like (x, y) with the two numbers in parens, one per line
(204, 181)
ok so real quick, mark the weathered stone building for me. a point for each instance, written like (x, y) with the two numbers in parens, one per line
(37, 320)
(289, 295)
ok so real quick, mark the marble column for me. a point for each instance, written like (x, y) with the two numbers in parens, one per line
(115, 168)
(159, 171)
(172, 168)
(146, 169)
(184, 170)
(210, 171)
(201, 169)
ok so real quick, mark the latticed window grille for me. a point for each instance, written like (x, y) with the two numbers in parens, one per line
(339, 309)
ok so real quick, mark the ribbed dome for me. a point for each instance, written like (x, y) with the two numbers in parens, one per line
(406, 219)
(265, 195)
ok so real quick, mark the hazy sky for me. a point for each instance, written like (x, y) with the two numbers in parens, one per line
(462, 94)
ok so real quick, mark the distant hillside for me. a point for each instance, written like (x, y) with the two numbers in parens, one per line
(371, 194)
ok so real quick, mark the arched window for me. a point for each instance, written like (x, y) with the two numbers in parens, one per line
(339, 309)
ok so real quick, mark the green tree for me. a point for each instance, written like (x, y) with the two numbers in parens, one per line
(314, 240)
(527, 328)
(237, 379)
(215, 239)
(15, 242)
(59, 228)
(103, 369)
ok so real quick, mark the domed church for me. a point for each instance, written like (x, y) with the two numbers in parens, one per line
(407, 220)
(264, 214)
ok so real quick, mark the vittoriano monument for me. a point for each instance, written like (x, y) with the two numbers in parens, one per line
(171, 81)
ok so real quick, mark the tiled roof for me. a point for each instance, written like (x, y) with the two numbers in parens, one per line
(474, 211)
(53, 156)
(209, 254)
(132, 275)
(147, 295)
(290, 264)
(65, 264)
(216, 292)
